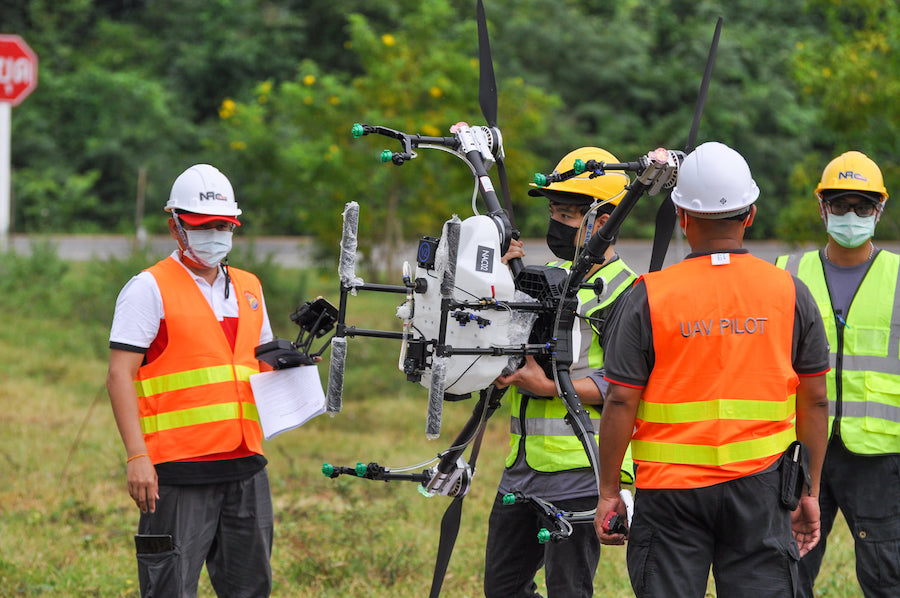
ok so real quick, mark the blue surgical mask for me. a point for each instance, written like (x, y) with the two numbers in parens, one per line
(209, 246)
(850, 230)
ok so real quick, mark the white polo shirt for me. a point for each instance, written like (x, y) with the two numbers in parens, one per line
(139, 308)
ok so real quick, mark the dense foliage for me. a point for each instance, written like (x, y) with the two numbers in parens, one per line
(268, 90)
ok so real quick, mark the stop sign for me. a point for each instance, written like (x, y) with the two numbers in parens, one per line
(18, 69)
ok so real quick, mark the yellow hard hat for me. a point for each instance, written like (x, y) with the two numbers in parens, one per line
(852, 172)
(581, 189)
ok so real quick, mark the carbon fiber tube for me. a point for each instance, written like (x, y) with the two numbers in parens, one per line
(451, 241)
(347, 263)
(335, 392)
(436, 397)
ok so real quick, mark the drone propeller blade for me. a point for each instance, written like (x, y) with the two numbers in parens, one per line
(507, 197)
(665, 216)
(488, 402)
(487, 98)
(665, 226)
(704, 87)
(449, 531)
(487, 84)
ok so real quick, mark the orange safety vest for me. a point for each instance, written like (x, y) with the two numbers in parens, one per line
(195, 398)
(720, 402)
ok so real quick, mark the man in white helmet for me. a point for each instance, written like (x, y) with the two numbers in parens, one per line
(716, 368)
(546, 458)
(182, 350)
(856, 287)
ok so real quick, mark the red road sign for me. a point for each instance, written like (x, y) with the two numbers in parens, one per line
(18, 69)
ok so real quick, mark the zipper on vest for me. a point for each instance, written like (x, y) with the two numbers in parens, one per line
(523, 432)
(838, 375)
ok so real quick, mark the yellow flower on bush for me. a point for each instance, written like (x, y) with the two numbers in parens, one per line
(435, 92)
(334, 100)
(227, 109)
(238, 145)
(388, 40)
(309, 80)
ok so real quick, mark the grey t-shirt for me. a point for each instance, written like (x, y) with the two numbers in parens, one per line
(843, 282)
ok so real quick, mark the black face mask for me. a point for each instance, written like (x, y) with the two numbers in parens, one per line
(561, 239)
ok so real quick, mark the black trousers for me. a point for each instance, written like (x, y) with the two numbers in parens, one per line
(867, 491)
(738, 527)
(228, 526)
(513, 555)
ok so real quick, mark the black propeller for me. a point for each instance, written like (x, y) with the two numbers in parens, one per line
(472, 432)
(487, 99)
(665, 216)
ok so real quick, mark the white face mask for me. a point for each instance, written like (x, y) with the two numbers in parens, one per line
(851, 230)
(209, 246)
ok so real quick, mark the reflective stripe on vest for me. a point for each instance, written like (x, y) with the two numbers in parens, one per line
(713, 456)
(676, 413)
(550, 444)
(182, 380)
(720, 402)
(866, 410)
(197, 416)
(541, 426)
(195, 397)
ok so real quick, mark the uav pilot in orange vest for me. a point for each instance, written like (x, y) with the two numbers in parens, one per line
(716, 366)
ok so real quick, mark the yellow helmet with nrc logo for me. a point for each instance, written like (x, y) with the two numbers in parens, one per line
(852, 171)
(582, 189)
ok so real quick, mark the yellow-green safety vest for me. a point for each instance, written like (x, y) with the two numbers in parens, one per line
(864, 381)
(538, 425)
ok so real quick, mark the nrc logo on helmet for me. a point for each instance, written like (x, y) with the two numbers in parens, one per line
(211, 196)
(849, 174)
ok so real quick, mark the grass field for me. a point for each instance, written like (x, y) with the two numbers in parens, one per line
(66, 521)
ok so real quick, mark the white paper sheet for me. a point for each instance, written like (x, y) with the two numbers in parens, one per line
(288, 398)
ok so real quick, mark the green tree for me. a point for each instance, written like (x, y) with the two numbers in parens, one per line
(132, 84)
(421, 78)
(629, 75)
(851, 78)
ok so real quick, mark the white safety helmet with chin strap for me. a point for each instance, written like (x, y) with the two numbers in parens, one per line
(714, 182)
(203, 189)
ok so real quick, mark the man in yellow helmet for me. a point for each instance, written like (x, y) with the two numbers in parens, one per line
(546, 459)
(856, 287)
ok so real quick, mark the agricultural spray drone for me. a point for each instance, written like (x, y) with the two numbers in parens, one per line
(467, 318)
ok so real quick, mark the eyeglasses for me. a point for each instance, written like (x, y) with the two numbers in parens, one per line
(862, 209)
(218, 225)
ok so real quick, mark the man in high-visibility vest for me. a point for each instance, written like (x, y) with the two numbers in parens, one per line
(546, 459)
(716, 368)
(182, 350)
(856, 287)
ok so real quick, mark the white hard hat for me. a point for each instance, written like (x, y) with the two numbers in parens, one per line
(714, 181)
(203, 189)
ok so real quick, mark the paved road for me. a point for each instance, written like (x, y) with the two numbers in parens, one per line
(296, 252)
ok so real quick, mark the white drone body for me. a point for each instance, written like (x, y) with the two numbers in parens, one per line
(478, 273)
